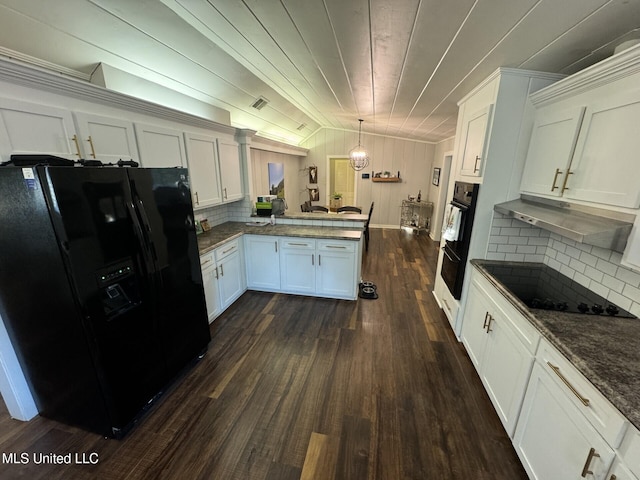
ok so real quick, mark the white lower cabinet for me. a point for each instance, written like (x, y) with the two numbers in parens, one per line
(223, 277)
(567, 428)
(553, 439)
(620, 472)
(263, 262)
(336, 269)
(210, 285)
(230, 272)
(501, 344)
(304, 266)
(298, 265)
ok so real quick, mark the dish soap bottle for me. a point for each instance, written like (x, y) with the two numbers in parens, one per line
(419, 195)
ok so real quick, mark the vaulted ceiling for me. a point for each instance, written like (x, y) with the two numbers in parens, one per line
(400, 65)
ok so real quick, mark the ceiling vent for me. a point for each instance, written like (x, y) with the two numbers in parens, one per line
(302, 126)
(260, 103)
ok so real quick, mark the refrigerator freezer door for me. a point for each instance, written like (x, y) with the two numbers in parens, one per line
(39, 311)
(163, 201)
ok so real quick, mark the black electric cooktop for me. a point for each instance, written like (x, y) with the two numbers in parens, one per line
(539, 286)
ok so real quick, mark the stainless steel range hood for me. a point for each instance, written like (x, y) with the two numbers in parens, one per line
(592, 226)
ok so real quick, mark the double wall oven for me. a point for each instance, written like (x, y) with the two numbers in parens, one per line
(456, 250)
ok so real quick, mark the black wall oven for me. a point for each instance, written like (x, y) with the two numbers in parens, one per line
(456, 249)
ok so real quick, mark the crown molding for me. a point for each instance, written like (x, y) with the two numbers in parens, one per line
(43, 79)
(612, 69)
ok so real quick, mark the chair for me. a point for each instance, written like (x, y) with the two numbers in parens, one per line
(348, 208)
(366, 229)
(318, 208)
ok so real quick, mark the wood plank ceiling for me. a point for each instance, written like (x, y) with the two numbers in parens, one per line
(401, 65)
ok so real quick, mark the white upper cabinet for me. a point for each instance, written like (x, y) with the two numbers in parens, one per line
(106, 139)
(553, 140)
(203, 170)
(160, 147)
(607, 152)
(475, 134)
(230, 170)
(585, 140)
(27, 128)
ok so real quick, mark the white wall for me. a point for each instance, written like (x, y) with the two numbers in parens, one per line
(260, 181)
(414, 160)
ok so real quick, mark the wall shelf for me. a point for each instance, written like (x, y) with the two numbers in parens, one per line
(387, 180)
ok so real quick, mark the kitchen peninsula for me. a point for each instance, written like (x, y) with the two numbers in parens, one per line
(303, 254)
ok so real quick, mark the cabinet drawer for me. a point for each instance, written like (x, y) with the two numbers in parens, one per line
(207, 260)
(603, 416)
(298, 243)
(227, 249)
(336, 245)
(631, 449)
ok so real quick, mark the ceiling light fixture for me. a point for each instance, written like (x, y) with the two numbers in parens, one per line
(358, 156)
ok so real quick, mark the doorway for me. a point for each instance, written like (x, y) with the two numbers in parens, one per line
(441, 199)
(341, 179)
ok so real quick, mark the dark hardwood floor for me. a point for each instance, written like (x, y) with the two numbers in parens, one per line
(298, 387)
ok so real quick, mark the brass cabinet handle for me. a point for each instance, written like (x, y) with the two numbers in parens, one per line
(75, 140)
(486, 317)
(475, 165)
(585, 401)
(225, 193)
(93, 150)
(489, 324)
(555, 179)
(566, 178)
(446, 304)
(587, 464)
(197, 199)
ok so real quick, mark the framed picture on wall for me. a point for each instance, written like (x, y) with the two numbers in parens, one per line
(314, 195)
(436, 177)
(313, 174)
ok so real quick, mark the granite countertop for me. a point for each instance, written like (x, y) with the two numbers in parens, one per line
(606, 350)
(224, 232)
(337, 217)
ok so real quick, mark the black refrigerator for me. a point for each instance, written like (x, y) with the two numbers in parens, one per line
(100, 288)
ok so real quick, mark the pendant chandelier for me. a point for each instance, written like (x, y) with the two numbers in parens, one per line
(358, 156)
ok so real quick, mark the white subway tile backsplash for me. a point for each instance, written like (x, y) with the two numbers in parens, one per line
(577, 265)
(518, 241)
(514, 257)
(606, 267)
(573, 252)
(594, 274)
(601, 253)
(621, 301)
(568, 272)
(613, 283)
(599, 289)
(627, 276)
(589, 259)
(582, 279)
(534, 258)
(510, 231)
(526, 249)
(507, 248)
(562, 258)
